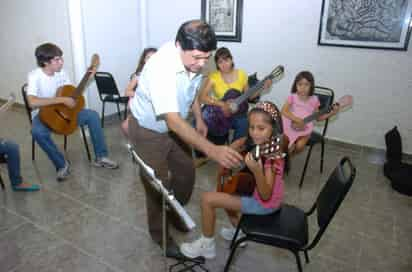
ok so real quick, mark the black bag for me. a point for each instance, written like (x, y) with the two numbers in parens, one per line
(394, 169)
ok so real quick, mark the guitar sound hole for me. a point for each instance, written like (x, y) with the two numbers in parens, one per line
(62, 115)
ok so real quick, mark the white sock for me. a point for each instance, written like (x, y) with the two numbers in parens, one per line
(208, 240)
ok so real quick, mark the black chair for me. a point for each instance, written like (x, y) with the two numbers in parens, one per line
(326, 97)
(29, 110)
(288, 228)
(109, 93)
(2, 160)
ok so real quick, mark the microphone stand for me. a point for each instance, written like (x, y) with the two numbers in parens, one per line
(169, 201)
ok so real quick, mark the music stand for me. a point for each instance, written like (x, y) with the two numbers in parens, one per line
(169, 201)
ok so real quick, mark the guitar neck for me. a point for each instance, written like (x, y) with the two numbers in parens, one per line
(82, 85)
(316, 115)
(251, 91)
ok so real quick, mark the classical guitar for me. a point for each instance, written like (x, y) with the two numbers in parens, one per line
(10, 101)
(60, 118)
(216, 121)
(240, 181)
(293, 132)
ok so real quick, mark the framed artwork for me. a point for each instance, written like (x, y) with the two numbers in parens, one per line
(379, 24)
(225, 16)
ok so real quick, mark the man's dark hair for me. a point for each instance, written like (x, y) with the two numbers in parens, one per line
(46, 52)
(196, 35)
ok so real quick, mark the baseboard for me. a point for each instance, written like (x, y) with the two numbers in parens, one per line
(366, 148)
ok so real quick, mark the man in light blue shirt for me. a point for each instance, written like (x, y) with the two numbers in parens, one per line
(158, 128)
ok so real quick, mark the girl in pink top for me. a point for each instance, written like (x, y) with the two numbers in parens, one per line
(264, 122)
(300, 104)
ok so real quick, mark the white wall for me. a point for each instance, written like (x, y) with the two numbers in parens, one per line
(112, 29)
(25, 25)
(274, 32)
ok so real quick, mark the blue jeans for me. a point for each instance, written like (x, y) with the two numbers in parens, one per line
(41, 134)
(10, 150)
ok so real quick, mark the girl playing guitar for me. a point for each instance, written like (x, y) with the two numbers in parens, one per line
(264, 123)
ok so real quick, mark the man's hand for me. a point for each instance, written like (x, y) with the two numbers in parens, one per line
(225, 156)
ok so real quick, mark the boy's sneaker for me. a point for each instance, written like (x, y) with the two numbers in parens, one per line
(64, 172)
(229, 233)
(105, 162)
(202, 247)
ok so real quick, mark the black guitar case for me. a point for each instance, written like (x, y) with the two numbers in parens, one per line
(399, 173)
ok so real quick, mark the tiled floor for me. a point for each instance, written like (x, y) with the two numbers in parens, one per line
(95, 221)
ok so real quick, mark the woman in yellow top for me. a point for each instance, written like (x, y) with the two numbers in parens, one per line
(226, 77)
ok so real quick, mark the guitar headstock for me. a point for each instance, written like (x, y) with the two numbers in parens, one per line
(95, 62)
(342, 102)
(274, 148)
(345, 101)
(277, 73)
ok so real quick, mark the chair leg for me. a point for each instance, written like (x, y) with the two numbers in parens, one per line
(65, 143)
(305, 167)
(298, 262)
(2, 183)
(322, 152)
(232, 253)
(232, 243)
(102, 122)
(33, 145)
(306, 256)
(125, 111)
(118, 111)
(86, 144)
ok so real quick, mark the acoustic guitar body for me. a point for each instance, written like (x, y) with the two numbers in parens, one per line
(243, 183)
(59, 118)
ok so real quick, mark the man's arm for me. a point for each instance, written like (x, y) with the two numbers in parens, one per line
(201, 127)
(224, 155)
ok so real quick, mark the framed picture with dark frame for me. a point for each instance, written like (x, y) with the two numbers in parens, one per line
(225, 16)
(366, 24)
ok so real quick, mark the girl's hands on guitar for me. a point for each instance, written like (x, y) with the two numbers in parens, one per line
(298, 123)
(335, 109)
(226, 109)
(254, 165)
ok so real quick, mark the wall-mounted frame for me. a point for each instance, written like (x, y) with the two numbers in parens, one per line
(225, 16)
(366, 24)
